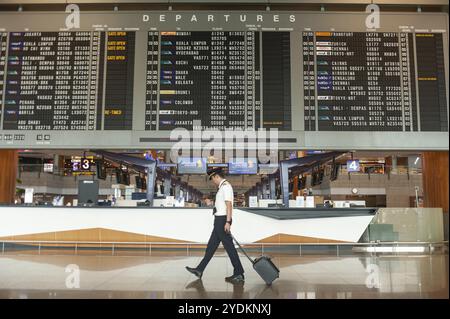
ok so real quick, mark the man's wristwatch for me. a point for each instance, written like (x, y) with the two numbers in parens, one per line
(228, 222)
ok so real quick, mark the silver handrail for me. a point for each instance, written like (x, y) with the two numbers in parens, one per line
(115, 244)
(205, 243)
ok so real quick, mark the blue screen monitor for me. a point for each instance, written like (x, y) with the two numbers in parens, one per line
(243, 166)
(191, 165)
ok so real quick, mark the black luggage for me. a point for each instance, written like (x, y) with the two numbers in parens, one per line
(263, 266)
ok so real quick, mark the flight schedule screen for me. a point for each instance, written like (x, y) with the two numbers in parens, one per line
(208, 77)
(214, 80)
(85, 80)
(128, 79)
(68, 80)
(370, 81)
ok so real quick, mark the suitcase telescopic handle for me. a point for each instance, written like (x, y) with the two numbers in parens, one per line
(242, 249)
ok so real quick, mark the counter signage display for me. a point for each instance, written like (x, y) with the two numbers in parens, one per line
(82, 165)
(353, 166)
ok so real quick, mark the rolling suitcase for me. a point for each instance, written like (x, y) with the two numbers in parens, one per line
(263, 266)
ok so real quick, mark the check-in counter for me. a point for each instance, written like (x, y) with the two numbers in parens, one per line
(182, 225)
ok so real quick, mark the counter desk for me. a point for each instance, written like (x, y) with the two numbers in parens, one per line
(181, 225)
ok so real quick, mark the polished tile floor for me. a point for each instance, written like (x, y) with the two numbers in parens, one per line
(164, 276)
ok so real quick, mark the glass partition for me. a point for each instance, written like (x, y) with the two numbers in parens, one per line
(406, 225)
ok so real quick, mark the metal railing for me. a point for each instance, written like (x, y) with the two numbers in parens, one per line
(37, 168)
(388, 171)
(114, 245)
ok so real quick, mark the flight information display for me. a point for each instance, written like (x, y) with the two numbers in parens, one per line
(367, 81)
(84, 80)
(129, 79)
(213, 80)
(3, 38)
(54, 81)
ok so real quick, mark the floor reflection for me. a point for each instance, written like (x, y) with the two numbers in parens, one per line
(157, 277)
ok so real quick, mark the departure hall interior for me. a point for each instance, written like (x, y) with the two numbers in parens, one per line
(328, 118)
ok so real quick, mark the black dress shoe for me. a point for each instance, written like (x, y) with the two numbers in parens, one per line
(235, 279)
(194, 271)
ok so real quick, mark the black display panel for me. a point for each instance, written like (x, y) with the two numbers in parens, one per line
(119, 80)
(276, 80)
(54, 81)
(152, 81)
(214, 78)
(100, 82)
(366, 81)
(431, 82)
(309, 81)
(408, 83)
(3, 48)
(409, 78)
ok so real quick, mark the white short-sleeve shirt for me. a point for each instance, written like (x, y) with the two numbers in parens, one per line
(225, 193)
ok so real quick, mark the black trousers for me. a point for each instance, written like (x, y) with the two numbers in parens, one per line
(219, 235)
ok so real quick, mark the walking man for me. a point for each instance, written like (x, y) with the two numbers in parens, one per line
(223, 210)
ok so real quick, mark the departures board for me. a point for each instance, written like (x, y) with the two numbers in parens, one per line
(214, 78)
(129, 79)
(366, 81)
(54, 81)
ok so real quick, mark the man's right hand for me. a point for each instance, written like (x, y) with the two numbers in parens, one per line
(227, 228)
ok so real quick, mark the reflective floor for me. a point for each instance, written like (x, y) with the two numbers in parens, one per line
(164, 276)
